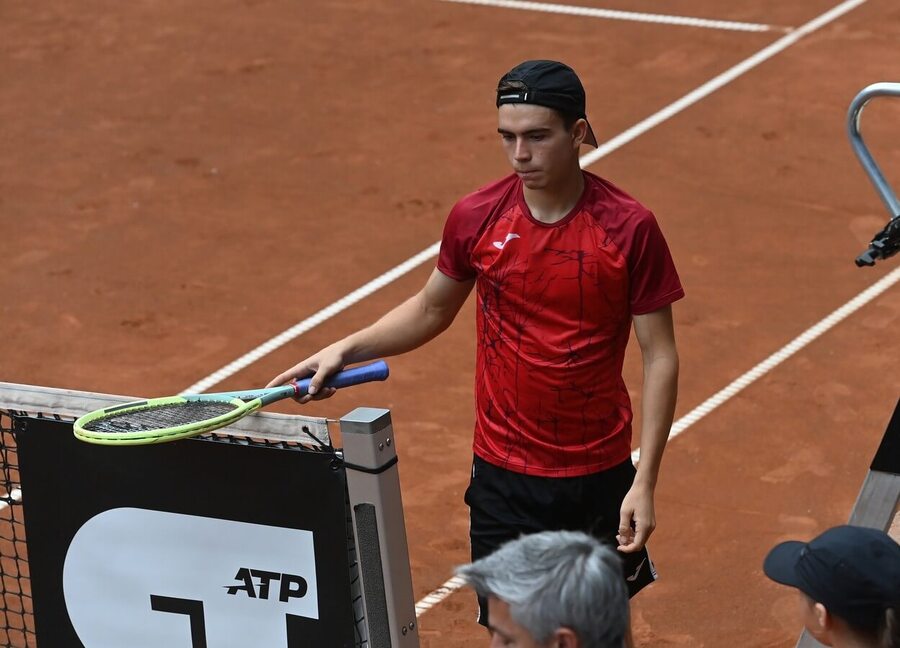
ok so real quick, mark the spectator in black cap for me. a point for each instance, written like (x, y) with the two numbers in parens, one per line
(564, 264)
(849, 578)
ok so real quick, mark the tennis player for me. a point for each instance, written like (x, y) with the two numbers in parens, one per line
(564, 263)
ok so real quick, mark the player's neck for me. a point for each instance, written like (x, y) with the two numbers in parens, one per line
(552, 204)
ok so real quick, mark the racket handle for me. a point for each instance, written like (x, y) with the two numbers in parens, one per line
(355, 376)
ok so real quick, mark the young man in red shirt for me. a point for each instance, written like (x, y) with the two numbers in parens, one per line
(564, 263)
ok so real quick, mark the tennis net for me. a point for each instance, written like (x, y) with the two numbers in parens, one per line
(19, 403)
(16, 610)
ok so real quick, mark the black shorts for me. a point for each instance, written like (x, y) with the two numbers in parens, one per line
(504, 505)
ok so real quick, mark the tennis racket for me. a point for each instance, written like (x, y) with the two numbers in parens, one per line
(177, 417)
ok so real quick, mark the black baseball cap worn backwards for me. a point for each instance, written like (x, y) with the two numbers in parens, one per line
(546, 83)
(853, 571)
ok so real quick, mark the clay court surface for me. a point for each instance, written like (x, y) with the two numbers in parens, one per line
(182, 181)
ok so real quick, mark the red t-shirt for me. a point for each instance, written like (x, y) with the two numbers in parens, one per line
(553, 319)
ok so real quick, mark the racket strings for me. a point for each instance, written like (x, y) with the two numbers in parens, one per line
(157, 417)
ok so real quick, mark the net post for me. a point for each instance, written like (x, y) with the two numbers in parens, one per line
(373, 486)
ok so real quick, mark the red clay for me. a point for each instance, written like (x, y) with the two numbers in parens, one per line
(179, 183)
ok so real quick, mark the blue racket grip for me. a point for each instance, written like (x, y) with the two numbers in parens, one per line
(355, 376)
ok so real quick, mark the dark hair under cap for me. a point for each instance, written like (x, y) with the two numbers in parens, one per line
(546, 83)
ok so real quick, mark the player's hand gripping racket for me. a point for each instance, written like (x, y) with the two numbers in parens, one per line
(177, 417)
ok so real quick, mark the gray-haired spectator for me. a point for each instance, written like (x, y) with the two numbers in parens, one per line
(555, 588)
(849, 577)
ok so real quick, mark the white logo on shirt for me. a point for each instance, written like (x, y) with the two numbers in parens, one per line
(509, 237)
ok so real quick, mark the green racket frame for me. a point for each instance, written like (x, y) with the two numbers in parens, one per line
(244, 402)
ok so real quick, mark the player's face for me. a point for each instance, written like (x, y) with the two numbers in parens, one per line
(538, 146)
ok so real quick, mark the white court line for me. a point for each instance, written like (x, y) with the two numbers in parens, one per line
(780, 356)
(611, 14)
(719, 81)
(313, 321)
(439, 595)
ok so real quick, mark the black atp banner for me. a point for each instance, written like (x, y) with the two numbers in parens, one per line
(190, 544)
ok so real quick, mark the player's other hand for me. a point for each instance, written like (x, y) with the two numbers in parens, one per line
(637, 519)
(320, 366)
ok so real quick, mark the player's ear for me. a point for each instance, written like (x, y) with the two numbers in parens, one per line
(579, 132)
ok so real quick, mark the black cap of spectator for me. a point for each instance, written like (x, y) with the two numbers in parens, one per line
(853, 571)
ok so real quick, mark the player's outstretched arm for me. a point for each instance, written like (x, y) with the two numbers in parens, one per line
(408, 326)
(656, 336)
